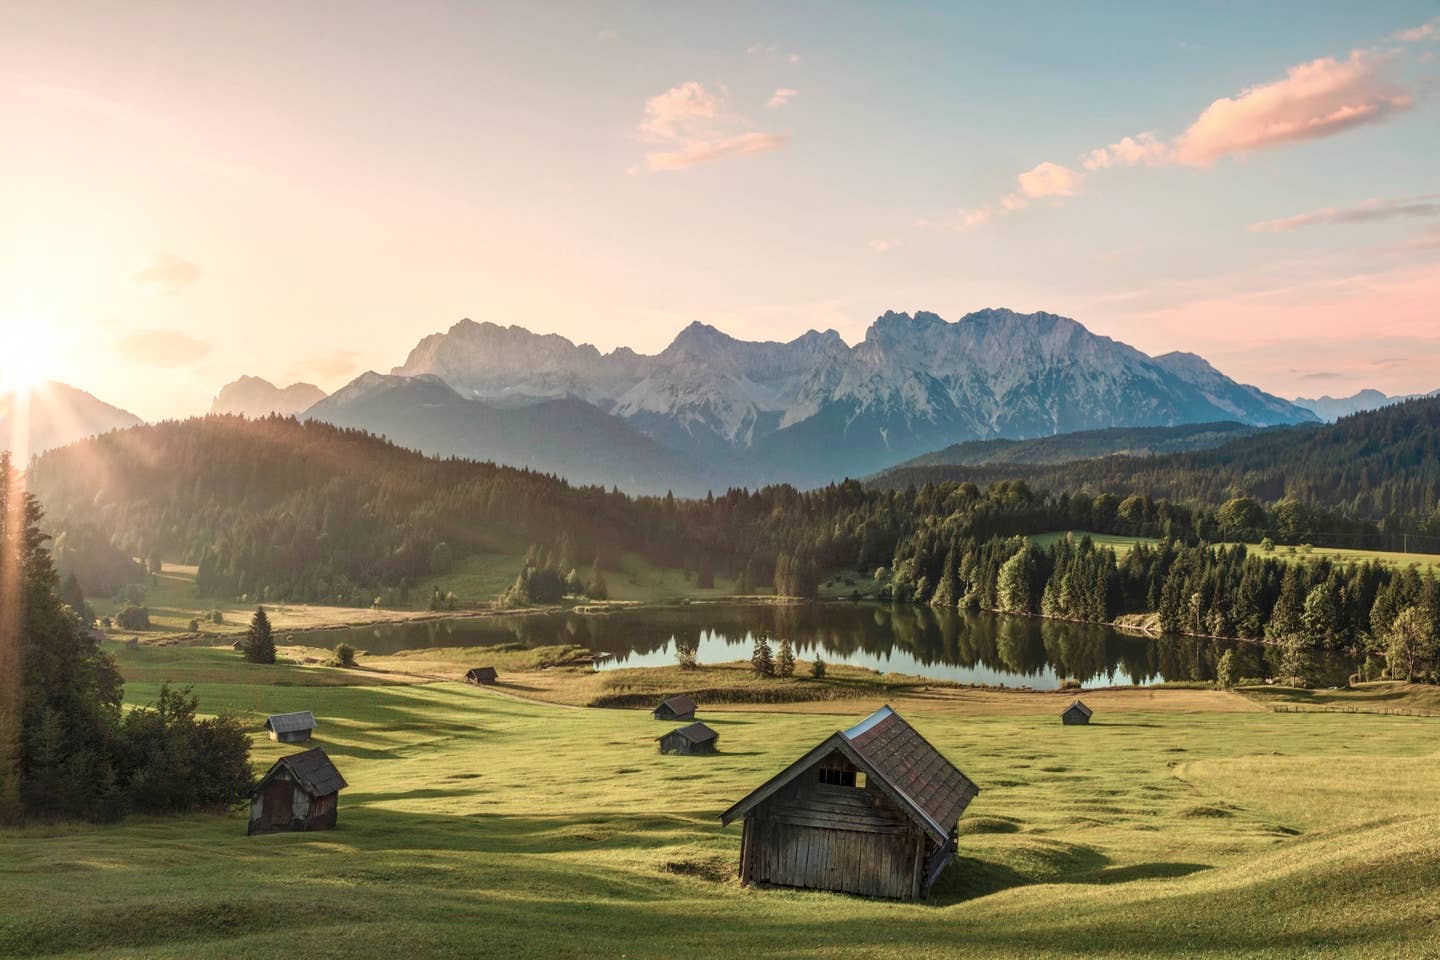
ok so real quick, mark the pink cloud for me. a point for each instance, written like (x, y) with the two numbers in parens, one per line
(1049, 180)
(1367, 211)
(690, 126)
(1141, 149)
(1315, 99)
(702, 151)
(1426, 31)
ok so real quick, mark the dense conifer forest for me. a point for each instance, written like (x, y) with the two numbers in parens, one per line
(278, 510)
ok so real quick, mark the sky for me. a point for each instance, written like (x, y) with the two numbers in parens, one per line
(191, 192)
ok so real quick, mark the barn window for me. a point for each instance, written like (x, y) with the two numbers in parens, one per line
(836, 777)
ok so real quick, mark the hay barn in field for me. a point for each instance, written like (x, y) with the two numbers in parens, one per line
(696, 738)
(300, 792)
(1076, 713)
(482, 676)
(871, 811)
(291, 727)
(679, 707)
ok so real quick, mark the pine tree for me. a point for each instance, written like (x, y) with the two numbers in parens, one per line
(785, 660)
(760, 659)
(595, 587)
(260, 639)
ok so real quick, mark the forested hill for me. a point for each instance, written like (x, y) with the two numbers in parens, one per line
(1083, 444)
(1381, 465)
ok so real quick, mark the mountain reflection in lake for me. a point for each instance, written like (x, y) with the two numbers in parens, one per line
(954, 645)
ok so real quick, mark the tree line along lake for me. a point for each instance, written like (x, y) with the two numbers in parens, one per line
(941, 644)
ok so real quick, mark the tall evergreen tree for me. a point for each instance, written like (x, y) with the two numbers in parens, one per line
(260, 638)
(785, 659)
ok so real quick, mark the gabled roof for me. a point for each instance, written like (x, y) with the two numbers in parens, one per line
(901, 763)
(481, 672)
(696, 733)
(312, 770)
(1077, 705)
(680, 703)
(291, 722)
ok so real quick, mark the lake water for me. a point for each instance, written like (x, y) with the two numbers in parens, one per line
(967, 647)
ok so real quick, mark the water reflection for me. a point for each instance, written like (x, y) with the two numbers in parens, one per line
(955, 645)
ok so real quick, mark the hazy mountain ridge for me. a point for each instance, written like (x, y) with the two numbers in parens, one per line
(1330, 408)
(57, 415)
(564, 435)
(258, 397)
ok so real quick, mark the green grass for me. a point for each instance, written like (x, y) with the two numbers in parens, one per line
(478, 825)
(1120, 544)
(1424, 561)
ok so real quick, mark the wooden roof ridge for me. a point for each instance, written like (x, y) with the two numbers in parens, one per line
(290, 722)
(844, 742)
(1078, 703)
(696, 732)
(680, 703)
(313, 770)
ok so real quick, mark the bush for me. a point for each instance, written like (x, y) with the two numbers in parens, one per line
(216, 616)
(685, 656)
(1069, 683)
(344, 655)
(817, 669)
(133, 618)
(1267, 545)
(194, 625)
(172, 762)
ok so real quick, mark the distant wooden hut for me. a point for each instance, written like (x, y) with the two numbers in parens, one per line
(1076, 713)
(696, 738)
(679, 707)
(291, 727)
(238, 644)
(300, 792)
(872, 811)
(482, 676)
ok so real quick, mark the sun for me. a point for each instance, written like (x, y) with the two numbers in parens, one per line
(29, 352)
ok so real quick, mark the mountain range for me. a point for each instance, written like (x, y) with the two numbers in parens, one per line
(1331, 409)
(816, 409)
(53, 415)
(258, 397)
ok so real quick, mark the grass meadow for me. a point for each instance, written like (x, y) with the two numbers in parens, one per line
(1179, 824)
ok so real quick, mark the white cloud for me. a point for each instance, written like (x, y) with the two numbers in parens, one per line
(1049, 180)
(781, 97)
(1426, 31)
(167, 272)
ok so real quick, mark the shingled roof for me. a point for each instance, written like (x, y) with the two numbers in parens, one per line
(696, 732)
(313, 771)
(902, 763)
(1077, 705)
(679, 704)
(291, 722)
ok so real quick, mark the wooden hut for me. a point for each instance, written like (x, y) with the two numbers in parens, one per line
(291, 727)
(695, 738)
(1076, 713)
(482, 676)
(300, 792)
(871, 810)
(679, 707)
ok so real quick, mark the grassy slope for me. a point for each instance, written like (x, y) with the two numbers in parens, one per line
(477, 825)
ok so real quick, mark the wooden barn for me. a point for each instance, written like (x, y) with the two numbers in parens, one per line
(482, 676)
(1076, 713)
(695, 738)
(679, 707)
(300, 792)
(291, 727)
(871, 811)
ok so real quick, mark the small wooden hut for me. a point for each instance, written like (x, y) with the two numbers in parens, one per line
(695, 738)
(872, 811)
(1076, 713)
(482, 676)
(291, 727)
(300, 792)
(679, 707)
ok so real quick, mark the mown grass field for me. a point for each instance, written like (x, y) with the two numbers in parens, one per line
(480, 825)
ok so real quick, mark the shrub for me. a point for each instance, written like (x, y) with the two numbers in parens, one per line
(344, 655)
(817, 668)
(194, 625)
(685, 656)
(1069, 683)
(133, 618)
(1267, 545)
(216, 616)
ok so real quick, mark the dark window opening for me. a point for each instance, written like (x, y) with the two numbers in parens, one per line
(838, 778)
